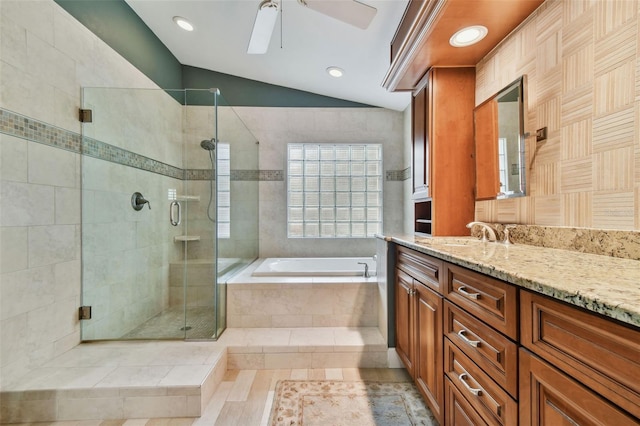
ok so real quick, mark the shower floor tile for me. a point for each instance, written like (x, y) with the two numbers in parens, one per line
(170, 324)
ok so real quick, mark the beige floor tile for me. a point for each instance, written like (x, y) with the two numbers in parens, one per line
(214, 407)
(299, 374)
(334, 374)
(242, 386)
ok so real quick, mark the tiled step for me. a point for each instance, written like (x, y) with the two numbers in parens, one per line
(120, 380)
(117, 380)
(317, 347)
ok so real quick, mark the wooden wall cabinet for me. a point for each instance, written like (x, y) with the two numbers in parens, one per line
(443, 150)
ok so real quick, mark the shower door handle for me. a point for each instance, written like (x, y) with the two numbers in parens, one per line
(175, 219)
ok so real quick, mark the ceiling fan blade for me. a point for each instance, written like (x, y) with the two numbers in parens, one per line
(350, 11)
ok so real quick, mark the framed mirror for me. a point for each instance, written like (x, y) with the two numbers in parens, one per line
(500, 144)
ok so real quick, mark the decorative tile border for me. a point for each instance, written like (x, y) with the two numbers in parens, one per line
(271, 175)
(398, 175)
(197, 174)
(104, 151)
(37, 131)
(24, 127)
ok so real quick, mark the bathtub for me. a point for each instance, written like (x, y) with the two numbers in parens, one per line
(315, 267)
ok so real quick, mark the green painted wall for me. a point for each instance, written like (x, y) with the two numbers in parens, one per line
(119, 26)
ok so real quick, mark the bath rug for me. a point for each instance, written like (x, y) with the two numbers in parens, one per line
(339, 403)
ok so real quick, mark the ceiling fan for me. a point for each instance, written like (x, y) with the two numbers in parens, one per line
(351, 12)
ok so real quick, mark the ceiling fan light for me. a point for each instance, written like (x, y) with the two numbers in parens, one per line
(263, 27)
(183, 23)
(336, 72)
(468, 36)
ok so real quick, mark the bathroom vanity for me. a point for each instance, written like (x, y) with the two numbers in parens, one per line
(504, 335)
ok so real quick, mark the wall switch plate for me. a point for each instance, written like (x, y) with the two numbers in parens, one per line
(541, 134)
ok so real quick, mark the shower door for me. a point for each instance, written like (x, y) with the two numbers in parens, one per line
(221, 166)
(135, 219)
(169, 211)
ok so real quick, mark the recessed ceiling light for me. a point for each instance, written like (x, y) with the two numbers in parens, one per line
(335, 72)
(183, 23)
(468, 36)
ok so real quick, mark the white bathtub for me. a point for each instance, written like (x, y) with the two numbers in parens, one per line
(315, 267)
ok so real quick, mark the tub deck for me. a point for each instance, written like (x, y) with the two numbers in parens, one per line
(291, 301)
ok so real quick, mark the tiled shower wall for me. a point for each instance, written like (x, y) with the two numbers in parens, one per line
(199, 125)
(46, 56)
(581, 59)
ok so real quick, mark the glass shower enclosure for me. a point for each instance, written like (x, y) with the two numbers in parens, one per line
(169, 211)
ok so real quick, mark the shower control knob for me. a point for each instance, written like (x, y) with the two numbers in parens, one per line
(138, 201)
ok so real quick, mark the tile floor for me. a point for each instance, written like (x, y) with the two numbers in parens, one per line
(155, 373)
(245, 396)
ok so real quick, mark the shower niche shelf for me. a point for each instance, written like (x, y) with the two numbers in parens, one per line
(188, 198)
(183, 238)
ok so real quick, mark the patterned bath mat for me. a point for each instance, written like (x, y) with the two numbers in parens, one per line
(338, 403)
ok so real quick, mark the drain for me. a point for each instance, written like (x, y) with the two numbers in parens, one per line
(185, 328)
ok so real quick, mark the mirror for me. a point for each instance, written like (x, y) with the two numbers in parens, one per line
(500, 144)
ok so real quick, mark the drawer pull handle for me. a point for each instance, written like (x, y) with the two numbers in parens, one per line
(474, 343)
(468, 295)
(462, 377)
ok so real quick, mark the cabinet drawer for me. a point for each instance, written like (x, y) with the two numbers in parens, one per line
(490, 400)
(550, 398)
(601, 353)
(459, 411)
(423, 268)
(492, 301)
(494, 353)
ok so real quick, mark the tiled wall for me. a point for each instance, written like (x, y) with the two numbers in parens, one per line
(276, 127)
(45, 58)
(581, 61)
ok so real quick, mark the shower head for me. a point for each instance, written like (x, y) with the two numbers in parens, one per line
(208, 144)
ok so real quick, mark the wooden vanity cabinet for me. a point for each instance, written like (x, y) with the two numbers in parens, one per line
(486, 352)
(419, 324)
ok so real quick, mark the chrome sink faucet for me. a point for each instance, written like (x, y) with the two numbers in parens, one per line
(486, 229)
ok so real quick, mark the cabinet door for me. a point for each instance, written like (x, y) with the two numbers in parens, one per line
(486, 137)
(428, 366)
(420, 146)
(404, 319)
(549, 398)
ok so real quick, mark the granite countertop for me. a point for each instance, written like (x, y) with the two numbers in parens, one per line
(607, 285)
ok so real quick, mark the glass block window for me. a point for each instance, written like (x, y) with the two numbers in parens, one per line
(223, 177)
(334, 191)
